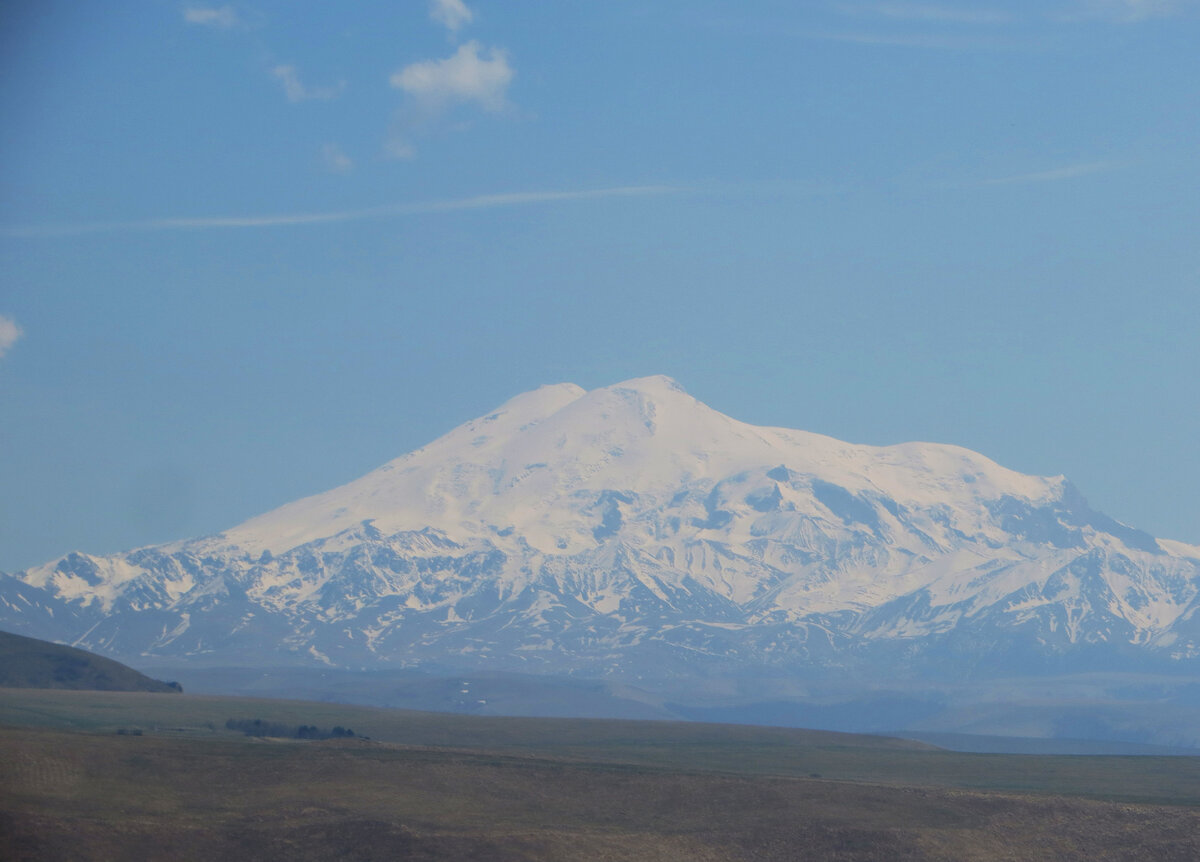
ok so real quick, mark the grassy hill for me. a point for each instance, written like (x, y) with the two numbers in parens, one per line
(31, 663)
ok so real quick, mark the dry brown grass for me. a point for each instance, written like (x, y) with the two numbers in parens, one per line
(90, 796)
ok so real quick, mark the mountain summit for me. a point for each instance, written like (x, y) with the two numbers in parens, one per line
(633, 531)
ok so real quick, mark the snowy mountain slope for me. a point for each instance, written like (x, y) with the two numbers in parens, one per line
(632, 530)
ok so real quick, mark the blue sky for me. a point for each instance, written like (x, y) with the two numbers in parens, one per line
(250, 251)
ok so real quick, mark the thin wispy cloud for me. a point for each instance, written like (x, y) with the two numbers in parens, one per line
(222, 17)
(1066, 172)
(894, 39)
(479, 202)
(296, 91)
(10, 333)
(927, 13)
(940, 26)
(451, 14)
(1131, 11)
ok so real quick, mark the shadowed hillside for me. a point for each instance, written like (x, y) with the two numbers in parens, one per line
(31, 663)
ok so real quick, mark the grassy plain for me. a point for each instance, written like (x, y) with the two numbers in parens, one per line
(434, 786)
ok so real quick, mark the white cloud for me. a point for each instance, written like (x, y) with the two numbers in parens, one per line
(9, 333)
(452, 14)
(223, 17)
(335, 160)
(295, 89)
(464, 77)
(434, 87)
(387, 211)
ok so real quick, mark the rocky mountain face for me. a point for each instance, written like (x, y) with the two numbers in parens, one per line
(633, 532)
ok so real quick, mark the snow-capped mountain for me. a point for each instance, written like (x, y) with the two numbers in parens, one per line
(633, 531)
